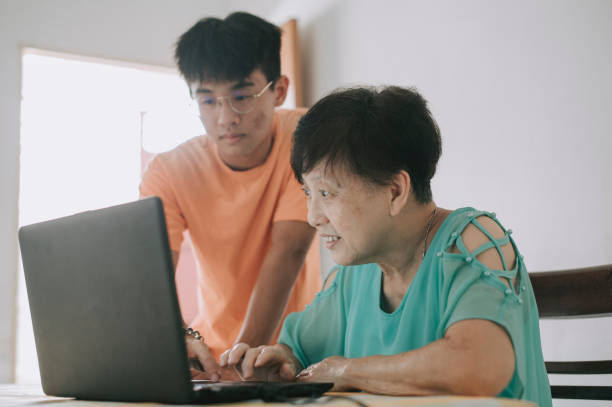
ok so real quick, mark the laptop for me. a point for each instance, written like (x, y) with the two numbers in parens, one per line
(105, 314)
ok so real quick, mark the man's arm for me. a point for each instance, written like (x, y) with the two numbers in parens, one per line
(175, 258)
(289, 245)
(197, 349)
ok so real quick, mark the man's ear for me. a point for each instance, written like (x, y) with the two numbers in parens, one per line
(281, 87)
(400, 189)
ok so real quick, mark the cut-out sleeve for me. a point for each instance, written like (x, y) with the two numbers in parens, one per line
(471, 290)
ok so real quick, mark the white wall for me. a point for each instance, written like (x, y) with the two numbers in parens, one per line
(142, 31)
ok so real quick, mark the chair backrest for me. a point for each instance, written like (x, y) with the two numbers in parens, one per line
(576, 293)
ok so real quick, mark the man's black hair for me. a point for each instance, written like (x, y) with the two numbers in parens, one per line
(375, 133)
(216, 50)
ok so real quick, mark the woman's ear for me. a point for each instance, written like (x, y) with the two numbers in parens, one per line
(281, 87)
(400, 189)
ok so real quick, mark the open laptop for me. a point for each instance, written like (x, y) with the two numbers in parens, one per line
(106, 319)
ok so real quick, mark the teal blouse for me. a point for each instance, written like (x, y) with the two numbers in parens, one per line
(346, 318)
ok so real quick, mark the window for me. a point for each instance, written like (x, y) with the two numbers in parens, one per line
(86, 127)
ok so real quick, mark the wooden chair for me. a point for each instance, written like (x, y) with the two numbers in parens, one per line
(576, 293)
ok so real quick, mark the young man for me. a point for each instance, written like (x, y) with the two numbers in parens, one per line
(233, 189)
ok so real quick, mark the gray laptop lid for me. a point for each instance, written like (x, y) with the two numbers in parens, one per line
(104, 308)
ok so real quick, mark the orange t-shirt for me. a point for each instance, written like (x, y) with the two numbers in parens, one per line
(229, 216)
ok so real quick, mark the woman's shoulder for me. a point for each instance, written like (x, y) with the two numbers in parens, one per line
(458, 221)
(458, 217)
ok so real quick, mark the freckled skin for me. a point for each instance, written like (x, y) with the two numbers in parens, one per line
(352, 210)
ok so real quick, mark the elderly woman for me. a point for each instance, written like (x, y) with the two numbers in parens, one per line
(426, 300)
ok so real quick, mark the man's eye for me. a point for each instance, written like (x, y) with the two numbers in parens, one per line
(240, 98)
(307, 192)
(324, 193)
(207, 101)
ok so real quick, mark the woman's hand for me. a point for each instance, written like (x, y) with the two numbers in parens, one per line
(332, 369)
(263, 363)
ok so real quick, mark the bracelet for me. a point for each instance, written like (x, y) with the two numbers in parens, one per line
(192, 332)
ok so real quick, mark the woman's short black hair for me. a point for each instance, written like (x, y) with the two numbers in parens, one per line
(216, 50)
(375, 133)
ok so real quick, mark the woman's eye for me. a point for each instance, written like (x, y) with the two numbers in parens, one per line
(324, 193)
(307, 192)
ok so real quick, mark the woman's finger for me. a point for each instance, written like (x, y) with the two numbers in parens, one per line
(247, 365)
(287, 371)
(267, 355)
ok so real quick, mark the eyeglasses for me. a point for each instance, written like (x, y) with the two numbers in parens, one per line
(239, 102)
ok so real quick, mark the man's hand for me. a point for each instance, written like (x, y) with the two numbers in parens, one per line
(263, 363)
(200, 358)
(332, 369)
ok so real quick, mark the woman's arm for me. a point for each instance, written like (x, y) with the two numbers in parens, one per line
(475, 357)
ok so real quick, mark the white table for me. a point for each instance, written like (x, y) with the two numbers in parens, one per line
(32, 395)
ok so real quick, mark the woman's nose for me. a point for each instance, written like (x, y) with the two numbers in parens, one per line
(316, 217)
